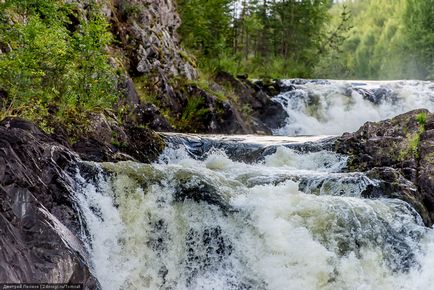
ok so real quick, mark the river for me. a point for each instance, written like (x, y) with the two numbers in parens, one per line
(260, 212)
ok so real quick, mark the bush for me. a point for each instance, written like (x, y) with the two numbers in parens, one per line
(54, 71)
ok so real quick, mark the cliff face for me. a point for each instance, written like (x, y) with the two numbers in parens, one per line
(160, 76)
(146, 30)
(39, 223)
(147, 47)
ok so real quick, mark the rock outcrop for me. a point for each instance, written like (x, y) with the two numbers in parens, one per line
(155, 64)
(108, 141)
(400, 153)
(39, 222)
(148, 49)
(262, 114)
(40, 230)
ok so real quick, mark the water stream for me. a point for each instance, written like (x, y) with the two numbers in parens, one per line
(249, 212)
(334, 107)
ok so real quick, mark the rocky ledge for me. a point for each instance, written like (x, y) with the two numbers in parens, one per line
(39, 221)
(400, 154)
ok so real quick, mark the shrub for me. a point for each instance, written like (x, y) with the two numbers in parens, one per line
(55, 72)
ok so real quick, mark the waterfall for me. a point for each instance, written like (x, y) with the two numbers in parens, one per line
(251, 212)
(290, 220)
(334, 107)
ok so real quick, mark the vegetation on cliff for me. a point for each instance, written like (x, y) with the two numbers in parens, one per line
(54, 67)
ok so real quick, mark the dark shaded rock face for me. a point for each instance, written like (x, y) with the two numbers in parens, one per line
(400, 153)
(206, 113)
(107, 141)
(149, 115)
(265, 114)
(38, 221)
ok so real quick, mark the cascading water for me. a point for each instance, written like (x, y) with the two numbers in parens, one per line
(219, 224)
(257, 212)
(334, 107)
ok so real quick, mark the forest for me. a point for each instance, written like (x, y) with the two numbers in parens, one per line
(361, 39)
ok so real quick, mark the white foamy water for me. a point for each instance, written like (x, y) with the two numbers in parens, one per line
(335, 107)
(219, 224)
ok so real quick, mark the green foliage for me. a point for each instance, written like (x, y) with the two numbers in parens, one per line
(54, 71)
(192, 115)
(261, 38)
(414, 143)
(387, 40)
(369, 39)
(414, 139)
(205, 26)
(421, 118)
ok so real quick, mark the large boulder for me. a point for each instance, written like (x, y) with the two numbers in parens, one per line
(400, 153)
(39, 222)
(205, 113)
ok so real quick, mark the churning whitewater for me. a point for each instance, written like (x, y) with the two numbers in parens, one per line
(260, 212)
(318, 107)
(289, 221)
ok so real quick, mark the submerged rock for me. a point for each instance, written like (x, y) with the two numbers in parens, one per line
(400, 152)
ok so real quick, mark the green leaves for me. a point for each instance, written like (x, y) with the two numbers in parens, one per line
(51, 69)
(254, 36)
(389, 40)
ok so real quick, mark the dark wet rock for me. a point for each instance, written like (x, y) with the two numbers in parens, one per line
(142, 144)
(385, 143)
(265, 114)
(150, 116)
(271, 88)
(393, 184)
(383, 95)
(399, 152)
(106, 140)
(94, 150)
(274, 116)
(377, 96)
(425, 170)
(366, 94)
(39, 223)
(205, 113)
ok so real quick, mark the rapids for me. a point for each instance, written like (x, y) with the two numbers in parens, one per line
(291, 220)
(250, 212)
(333, 107)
